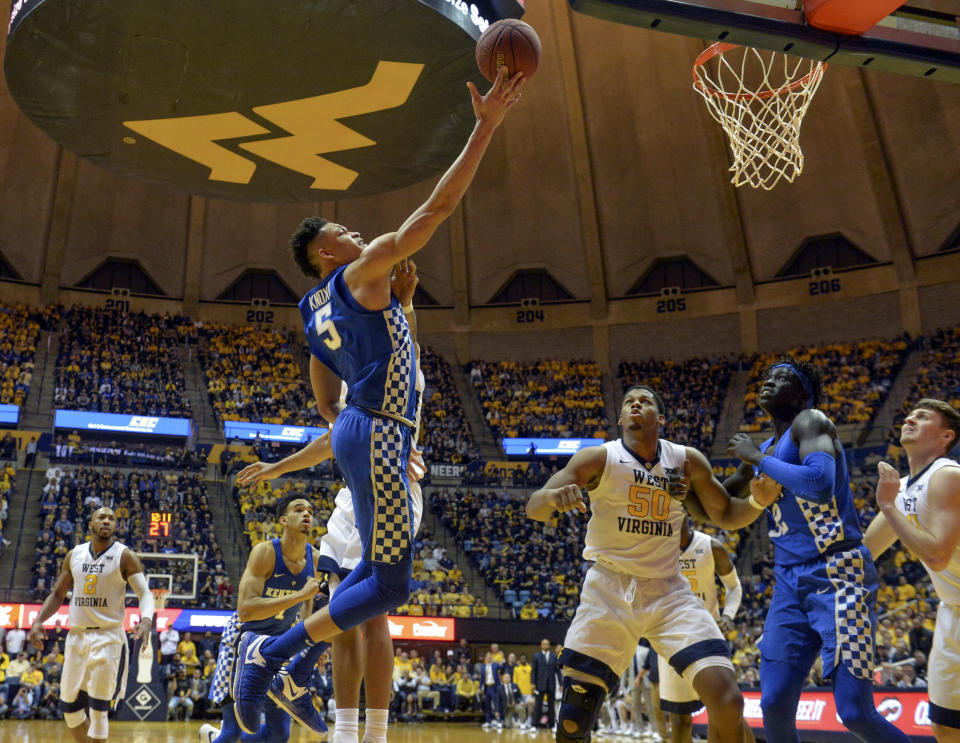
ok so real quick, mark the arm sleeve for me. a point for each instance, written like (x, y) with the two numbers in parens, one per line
(731, 581)
(813, 480)
(138, 583)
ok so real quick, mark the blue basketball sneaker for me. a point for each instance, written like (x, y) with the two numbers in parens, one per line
(251, 679)
(297, 702)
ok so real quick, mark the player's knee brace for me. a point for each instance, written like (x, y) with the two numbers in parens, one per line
(76, 718)
(99, 727)
(579, 708)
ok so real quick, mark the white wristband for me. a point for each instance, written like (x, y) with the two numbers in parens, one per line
(755, 503)
(407, 308)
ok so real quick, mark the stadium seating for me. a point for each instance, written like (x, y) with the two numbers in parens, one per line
(121, 363)
(254, 374)
(445, 435)
(548, 398)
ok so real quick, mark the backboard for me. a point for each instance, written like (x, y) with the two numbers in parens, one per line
(921, 38)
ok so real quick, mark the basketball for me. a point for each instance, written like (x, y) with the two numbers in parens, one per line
(508, 43)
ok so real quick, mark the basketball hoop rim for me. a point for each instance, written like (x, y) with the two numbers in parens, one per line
(719, 48)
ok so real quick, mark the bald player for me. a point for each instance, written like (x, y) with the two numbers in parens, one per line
(98, 573)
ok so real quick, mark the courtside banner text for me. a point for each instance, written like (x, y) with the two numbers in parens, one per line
(906, 709)
(521, 446)
(440, 629)
(83, 420)
(245, 430)
(24, 614)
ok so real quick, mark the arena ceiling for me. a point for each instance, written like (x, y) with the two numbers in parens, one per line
(609, 168)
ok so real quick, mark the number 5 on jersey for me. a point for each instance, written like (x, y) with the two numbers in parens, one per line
(326, 330)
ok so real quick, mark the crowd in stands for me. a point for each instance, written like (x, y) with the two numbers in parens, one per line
(536, 568)
(70, 496)
(19, 331)
(445, 435)
(121, 363)
(692, 392)
(254, 374)
(74, 450)
(437, 585)
(557, 398)
(856, 379)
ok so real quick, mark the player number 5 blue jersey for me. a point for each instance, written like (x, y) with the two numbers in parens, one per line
(370, 350)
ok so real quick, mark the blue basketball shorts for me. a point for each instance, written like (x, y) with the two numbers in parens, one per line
(372, 454)
(826, 605)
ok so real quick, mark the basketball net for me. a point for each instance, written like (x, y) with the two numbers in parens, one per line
(159, 597)
(760, 99)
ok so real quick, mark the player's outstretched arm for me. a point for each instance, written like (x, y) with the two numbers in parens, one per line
(131, 568)
(936, 544)
(726, 512)
(318, 450)
(384, 252)
(562, 491)
(53, 601)
(251, 606)
(879, 536)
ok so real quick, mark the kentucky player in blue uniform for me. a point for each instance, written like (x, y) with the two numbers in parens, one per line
(826, 582)
(280, 578)
(357, 334)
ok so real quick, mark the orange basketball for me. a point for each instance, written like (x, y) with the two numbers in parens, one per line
(508, 43)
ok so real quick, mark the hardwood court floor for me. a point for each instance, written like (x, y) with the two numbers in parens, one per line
(42, 731)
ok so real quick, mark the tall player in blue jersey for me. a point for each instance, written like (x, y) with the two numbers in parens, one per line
(279, 578)
(826, 582)
(357, 334)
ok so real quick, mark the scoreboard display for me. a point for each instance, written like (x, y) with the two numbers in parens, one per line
(158, 524)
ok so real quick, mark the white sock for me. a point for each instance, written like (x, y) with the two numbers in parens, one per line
(376, 727)
(346, 729)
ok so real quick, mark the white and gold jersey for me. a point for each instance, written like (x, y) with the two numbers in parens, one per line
(98, 587)
(698, 567)
(634, 526)
(912, 502)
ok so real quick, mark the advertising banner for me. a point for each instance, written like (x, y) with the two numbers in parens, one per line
(567, 447)
(84, 420)
(817, 712)
(246, 431)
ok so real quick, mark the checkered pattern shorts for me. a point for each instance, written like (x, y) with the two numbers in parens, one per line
(226, 661)
(400, 374)
(854, 629)
(824, 522)
(392, 517)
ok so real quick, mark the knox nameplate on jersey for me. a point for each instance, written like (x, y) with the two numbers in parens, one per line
(291, 100)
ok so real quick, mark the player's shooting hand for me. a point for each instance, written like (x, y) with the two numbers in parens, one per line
(403, 282)
(256, 473)
(310, 589)
(765, 490)
(725, 623)
(504, 93)
(888, 485)
(37, 636)
(678, 483)
(568, 498)
(742, 447)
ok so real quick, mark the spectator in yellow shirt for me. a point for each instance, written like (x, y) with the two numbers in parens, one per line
(529, 611)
